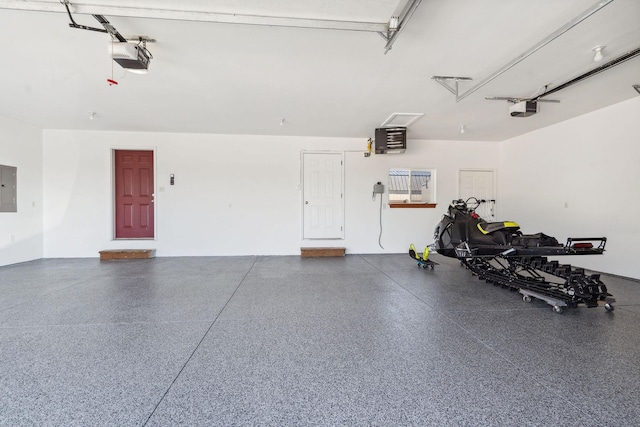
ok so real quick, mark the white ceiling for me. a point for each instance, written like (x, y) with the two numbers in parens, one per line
(211, 77)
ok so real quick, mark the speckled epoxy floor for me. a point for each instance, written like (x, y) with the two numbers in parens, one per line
(359, 340)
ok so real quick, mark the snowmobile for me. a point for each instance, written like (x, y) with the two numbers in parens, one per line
(500, 253)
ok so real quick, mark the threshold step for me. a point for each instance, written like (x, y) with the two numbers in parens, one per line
(111, 254)
(320, 252)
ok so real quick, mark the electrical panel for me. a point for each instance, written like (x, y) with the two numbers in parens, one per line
(391, 140)
(8, 189)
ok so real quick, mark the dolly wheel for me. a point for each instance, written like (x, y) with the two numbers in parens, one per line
(526, 298)
(608, 307)
(557, 309)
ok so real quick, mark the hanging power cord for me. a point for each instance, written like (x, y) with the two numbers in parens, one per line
(380, 236)
(378, 188)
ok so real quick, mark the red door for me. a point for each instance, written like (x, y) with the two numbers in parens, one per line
(134, 194)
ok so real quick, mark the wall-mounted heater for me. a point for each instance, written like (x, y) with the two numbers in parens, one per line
(391, 140)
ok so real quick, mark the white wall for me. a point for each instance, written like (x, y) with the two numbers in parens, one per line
(580, 178)
(236, 195)
(21, 232)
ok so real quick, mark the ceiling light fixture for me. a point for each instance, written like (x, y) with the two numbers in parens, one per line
(462, 129)
(597, 56)
(92, 115)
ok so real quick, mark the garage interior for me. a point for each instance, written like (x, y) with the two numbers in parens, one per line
(228, 324)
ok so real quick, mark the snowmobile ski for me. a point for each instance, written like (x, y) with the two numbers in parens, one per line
(422, 258)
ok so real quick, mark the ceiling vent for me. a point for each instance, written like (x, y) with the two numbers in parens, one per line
(131, 56)
(401, 119)
(523, 109)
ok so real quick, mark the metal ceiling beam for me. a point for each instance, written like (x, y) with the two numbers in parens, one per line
(615, 62)
(203, 16)
(551, 37)
(404, 17)
(443, 80)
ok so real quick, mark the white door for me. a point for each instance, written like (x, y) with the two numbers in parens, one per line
(479, 184)
(323, 202)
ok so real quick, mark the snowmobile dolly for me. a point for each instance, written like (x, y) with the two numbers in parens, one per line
(422, 259)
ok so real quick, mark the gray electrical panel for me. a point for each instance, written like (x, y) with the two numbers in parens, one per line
(8, 189)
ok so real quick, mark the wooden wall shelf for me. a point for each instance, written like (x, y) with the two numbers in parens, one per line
(413, 205)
